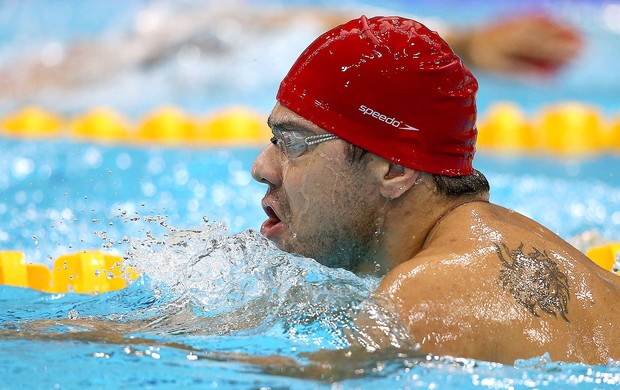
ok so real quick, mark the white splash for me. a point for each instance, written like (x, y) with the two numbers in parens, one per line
(206, 281)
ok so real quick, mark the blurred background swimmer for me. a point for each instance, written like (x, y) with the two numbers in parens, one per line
(177, 36)
(529, 43)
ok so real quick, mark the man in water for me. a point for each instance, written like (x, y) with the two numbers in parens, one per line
(174, 36)
(370, 169)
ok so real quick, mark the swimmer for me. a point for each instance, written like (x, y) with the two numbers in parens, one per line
(530, 44)
(164, 34)
(370, 169)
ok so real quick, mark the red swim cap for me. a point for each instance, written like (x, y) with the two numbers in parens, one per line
(391, 86)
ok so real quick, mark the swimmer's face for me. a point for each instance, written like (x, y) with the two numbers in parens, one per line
(319, 204)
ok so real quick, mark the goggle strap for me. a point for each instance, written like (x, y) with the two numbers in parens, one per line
(315, 139)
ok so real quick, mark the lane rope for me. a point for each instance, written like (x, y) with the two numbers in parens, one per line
(562, 128)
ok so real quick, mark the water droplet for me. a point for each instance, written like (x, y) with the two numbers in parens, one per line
(73, 314)
(191, 356)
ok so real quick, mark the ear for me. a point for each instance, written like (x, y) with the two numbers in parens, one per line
(397, 180)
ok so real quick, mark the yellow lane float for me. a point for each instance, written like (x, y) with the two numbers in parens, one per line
(572, 128)
(167, 125)
(87, 272)
(505, 128)
(605, 255)
(614, 134)
(32, 122)
(102, 124)
(233, 126)
(563, 128)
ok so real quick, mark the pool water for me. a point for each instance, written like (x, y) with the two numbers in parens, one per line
(217, 305)
(212, 288)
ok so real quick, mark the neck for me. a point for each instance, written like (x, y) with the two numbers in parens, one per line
(445, 213)
(411, 222)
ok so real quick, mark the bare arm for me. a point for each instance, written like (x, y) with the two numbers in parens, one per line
(449, 306)
(522, 44)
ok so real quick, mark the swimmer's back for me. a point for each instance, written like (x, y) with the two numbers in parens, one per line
(494, 285)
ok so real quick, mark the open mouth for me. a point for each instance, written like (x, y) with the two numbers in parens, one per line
(272, 224)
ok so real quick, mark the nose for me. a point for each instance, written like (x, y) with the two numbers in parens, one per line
(267, 167)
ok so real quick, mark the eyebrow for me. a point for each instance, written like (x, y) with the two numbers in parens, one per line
(286, 125)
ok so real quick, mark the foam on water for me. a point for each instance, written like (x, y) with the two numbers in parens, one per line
(205, 281)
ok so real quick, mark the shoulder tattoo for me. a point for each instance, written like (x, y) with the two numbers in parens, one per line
(534, 280)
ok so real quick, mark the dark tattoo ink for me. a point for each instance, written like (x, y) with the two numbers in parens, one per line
(534, 280)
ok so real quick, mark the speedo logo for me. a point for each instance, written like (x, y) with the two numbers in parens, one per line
(387, 120)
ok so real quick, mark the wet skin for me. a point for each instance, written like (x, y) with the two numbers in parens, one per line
(312, 201)
(467, 277)
(463, 295)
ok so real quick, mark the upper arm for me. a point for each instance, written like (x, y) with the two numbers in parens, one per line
(422, 295)
(447, 306)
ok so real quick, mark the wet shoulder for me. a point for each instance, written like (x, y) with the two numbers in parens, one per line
(504, 276)
(487, 249)
(447, 301)
(491, 257)
(443, 281)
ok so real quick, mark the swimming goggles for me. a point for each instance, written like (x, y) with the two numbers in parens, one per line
(293, 144)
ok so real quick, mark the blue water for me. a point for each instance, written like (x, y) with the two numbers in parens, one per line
(246, 296)
(65, 195)
(211, 289)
